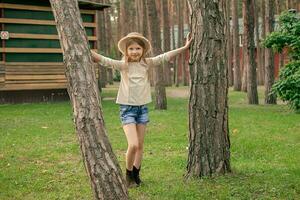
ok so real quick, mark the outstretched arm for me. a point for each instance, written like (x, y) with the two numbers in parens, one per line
(157, 60)
(107, 62)
(175, 52)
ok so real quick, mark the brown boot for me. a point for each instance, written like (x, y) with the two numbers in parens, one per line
(130, 182)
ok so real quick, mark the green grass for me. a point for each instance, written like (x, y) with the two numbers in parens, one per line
(40, 156)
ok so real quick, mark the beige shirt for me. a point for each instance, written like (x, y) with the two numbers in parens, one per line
(134, 87)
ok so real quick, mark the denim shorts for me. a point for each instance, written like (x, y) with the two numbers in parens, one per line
(134, 114)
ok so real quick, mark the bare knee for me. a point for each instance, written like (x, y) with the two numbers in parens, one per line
(133, 147)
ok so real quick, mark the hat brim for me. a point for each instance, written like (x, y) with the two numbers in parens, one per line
(123, 41)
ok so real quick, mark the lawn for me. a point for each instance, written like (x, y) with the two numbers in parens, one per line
(40, 156)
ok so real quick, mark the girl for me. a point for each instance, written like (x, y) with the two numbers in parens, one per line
(134, 94)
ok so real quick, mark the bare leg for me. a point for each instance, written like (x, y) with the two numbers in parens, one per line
(141, 129)
(132, 140)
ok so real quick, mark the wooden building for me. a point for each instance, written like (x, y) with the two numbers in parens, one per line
(31, 67)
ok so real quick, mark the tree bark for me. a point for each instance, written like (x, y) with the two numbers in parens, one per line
(236, 47)
(288, 4)
(263, 36)
(154, 32)
(269, 55)
(100, 162)
(257, 39)
(101, 45)
(229, 45)
(166, 40)
(248, 9)
(245, 57)
(127, 17)
(208, 108)
(109, 39)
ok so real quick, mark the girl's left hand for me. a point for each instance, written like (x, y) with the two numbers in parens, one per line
(188, 40)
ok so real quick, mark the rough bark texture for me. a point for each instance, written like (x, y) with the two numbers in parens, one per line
(154, 31)
(100, 162)
(237, 82)
(208, 108)
(269, 55)
(248, 6)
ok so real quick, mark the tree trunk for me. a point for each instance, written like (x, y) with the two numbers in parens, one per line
(236, 47)
(248, 9)
(245, 57)
(100, 162)
(101, 45)
(184, 70)
(154, 32)
(172, 9)
(127, 17)
(229, 45)
(179, 61)
(145, 19)
(208, 108)
(263, 36)
(269, 56)
(244, 69)
(109, 38)
(288, 4)
(166, 40)
(257, 39)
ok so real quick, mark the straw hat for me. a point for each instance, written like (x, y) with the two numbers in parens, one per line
(123, 41)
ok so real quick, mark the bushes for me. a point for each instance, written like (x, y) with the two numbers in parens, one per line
(287, 36)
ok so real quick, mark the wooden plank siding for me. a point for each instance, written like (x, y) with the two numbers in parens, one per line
(31, 76)
(31, 58)
(37, 22)
(37, 8)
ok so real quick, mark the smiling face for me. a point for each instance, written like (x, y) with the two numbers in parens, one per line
(134, 52)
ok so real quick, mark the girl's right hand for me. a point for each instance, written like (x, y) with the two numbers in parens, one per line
(188, 40)
(95, 57)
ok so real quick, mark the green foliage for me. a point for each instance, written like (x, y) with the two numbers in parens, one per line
(287, 36)
(288, 85)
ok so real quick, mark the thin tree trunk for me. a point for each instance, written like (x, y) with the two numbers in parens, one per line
(269, 62)
(263, 36)
(248, 9)
(244, 71)
(173, 39)
(229, 45)
(236, 47)
(208, 108)
(109, 38)
(100, 162)
(166, 40)
(184, 70)
(154, 31)
(257, 39)
(179, 42)
(101, 44)
(145, 19)
(288, 4)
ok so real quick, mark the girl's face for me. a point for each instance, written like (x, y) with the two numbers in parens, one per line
(134, 52)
